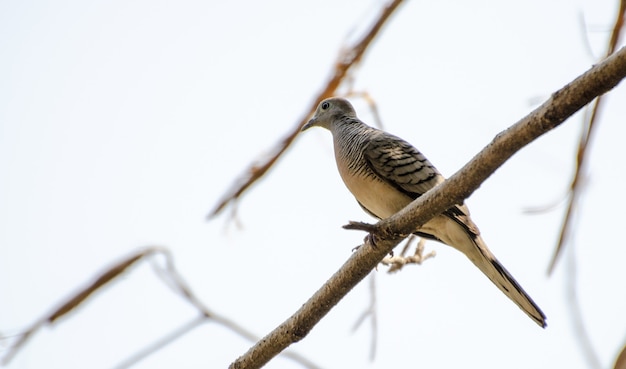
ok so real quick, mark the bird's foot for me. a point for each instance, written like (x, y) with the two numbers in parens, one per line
(371, 240)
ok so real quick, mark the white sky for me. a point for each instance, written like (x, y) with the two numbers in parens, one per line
(122, 123)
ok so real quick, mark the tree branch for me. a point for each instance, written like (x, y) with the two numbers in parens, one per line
(78, 299)
(389, 232)
(347, 58)
(583, 145)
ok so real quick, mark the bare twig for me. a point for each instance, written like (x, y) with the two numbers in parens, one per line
(407, 244)
(174, 280)
(79, 298)
(347, 59)
(396, 263)
(254, 338)
(179, 332)
(372, 105)
(578, 323)
(576, 187)
(390, 231)
(370, 313)
(583, 144)
(199, 320)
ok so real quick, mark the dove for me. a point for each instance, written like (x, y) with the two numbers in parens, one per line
(385, 173)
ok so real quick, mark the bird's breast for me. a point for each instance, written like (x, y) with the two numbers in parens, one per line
(377, 196)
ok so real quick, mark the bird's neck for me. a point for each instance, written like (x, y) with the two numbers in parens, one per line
(350, 140)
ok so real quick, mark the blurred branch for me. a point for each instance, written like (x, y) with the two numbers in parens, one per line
(370, 312)
(201, 319)
(389, 232)
(372, 105)
(620, 362)
(576, 187)
(347, 59)
(174, 279)
(179, 332)
(583, 145)
(169, 274)
(396, 263)
(76, 300)
(578, 322)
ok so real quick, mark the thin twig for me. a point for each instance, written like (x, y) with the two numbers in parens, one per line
(228, 323)
(78, 299)
(576, 188)
(170, 275)
(199, 320)
(176, 282)
(371, 103)
(346, 60)
(562, 104)
(396, 263)
(171, 337)
(578, 322)
(370, 313)
(407, 244)
(583, 145)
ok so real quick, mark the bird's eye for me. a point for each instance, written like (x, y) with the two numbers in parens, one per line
(325, 105)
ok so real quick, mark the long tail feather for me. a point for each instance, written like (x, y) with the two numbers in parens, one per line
(497, 273)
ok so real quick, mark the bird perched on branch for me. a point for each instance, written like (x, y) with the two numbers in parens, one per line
(385, 173)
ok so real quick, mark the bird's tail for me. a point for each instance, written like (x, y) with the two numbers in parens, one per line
(491, 267)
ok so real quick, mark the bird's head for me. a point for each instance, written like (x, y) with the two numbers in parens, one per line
(330, 110)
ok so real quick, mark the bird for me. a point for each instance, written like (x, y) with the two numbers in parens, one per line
(385, 173)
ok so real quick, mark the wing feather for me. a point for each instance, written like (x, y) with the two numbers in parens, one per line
(404, 167)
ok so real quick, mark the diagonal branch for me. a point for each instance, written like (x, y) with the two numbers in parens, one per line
(583, 144)
(173, 278)
(79, 298)
(389, 232)
(347, 59)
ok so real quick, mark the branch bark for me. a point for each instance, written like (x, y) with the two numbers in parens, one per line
(389, 232)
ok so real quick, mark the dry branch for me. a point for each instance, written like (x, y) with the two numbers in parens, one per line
(175, 281)
(389, 232)
(79, 298)
(371, 313)
(347, 59)
(583, 144)
(396, 263)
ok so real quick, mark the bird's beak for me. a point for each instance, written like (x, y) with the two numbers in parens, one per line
(310, 124)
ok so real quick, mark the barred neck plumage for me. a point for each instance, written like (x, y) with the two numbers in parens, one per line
(350, 136)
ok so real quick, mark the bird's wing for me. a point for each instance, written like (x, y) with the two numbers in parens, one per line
(405, 168)
(396, 162)
(400, 164)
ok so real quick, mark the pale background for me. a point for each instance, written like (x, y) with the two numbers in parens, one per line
(123, 122)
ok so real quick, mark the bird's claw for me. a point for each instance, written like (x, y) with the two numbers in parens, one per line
(371, 239)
